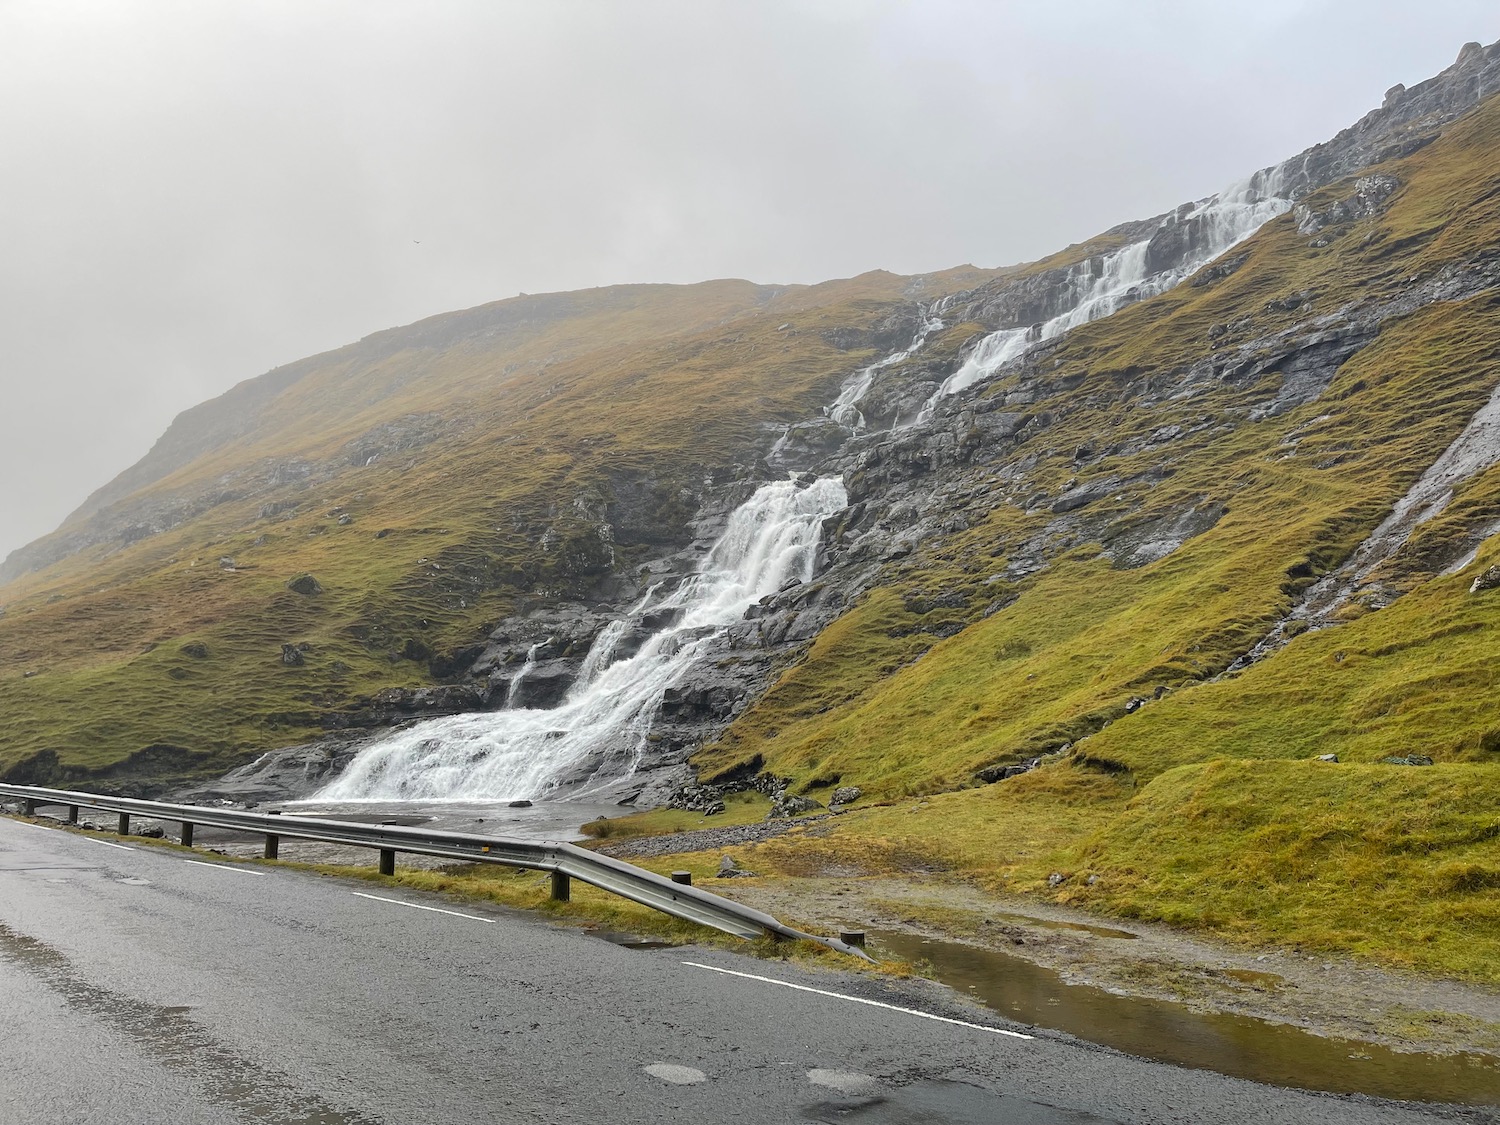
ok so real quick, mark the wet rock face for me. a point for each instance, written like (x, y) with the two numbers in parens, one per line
(1369, 197)
(394, 706)
(281, 775)
(804, 445)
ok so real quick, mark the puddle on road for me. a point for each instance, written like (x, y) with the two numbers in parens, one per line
(941, 1102)
(1240, 1046)
(630, 941)
(248, 1089)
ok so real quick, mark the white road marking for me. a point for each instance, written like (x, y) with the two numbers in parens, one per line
(106, 843)
(419, 906)
(861, 1000)
(225, 867)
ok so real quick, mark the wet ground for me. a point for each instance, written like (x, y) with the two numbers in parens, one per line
(148, 984)
(1336, 998)
(1169, 1032)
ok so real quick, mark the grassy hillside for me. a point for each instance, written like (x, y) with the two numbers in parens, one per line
(1202, 805)
(496, 453)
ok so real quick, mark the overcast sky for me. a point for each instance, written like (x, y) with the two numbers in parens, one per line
(192, 193)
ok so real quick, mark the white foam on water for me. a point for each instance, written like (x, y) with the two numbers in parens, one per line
(1103, 285)
(603, 722)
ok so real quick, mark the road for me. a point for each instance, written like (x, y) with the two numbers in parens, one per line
(139, 985)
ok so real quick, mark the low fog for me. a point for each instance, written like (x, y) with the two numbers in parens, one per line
(193, 193)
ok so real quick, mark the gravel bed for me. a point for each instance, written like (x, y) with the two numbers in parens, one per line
(706, 839)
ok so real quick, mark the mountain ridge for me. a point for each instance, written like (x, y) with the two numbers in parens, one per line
(1083, 495)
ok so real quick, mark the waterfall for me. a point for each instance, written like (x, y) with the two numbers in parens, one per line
(601, 726)
(845, 409)
(515, 685)
(1101, 286)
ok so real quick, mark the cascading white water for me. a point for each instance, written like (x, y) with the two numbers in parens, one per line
(845, 409)
(602, 723)
(1103, 286)
(514, 691)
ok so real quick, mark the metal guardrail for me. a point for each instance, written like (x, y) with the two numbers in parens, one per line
(565, 861)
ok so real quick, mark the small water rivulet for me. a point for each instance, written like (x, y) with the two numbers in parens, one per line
(1241, 1046)
(600, 727)
(1474, 451)
(845, 409)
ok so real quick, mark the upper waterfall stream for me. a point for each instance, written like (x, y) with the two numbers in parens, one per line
(1100, 286)
(602, 723)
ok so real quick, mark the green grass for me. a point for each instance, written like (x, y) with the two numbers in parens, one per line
(739, 808)
(1396, 863)
(537, 426)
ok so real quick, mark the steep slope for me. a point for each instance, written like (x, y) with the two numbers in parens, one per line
(430, 479)
(1132, 586)
(906, 438)
(1140, 503)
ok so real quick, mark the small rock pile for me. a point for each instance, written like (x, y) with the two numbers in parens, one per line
(705, 799)
(709, 799)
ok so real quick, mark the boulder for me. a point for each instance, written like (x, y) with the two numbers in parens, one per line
(786, 805)
(1486, 581)
(306, 585)
(845, 795)
(291, 656)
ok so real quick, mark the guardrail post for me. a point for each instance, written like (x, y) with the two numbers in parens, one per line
(562, 886)
(187, 833)
(30, 806)
(273, 846)
(124, 827)
(72, 814)
(682, 877)
(852, 937)
(387, 861)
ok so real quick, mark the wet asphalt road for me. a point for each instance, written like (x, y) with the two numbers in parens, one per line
(137, 986)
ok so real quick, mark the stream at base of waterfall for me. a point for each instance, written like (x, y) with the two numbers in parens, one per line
(597, 734)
